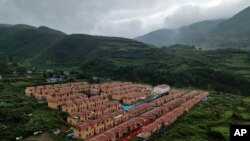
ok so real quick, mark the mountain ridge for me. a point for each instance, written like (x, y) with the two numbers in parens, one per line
(166, 37)
(44, 45)
(222, 33)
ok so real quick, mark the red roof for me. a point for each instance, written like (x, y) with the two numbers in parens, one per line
(85, 124)
(151, 126)
(82, 112)
(105, 117)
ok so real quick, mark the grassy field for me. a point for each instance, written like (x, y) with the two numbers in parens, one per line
(209, 120)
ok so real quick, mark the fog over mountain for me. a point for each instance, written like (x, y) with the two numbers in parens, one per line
(125, 18)
(233, 32)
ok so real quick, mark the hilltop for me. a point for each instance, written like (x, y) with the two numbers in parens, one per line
(191, 34)
(223, 33)
(43, 45)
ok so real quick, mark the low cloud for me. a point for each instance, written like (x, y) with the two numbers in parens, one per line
(126, 18)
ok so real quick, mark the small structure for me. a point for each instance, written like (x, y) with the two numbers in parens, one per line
(51, 80)
(161, 89)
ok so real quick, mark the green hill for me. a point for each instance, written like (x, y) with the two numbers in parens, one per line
(76, 48)
(23, 46)
(231, 33)
(234, 32)
(21, 42)
(159, 38)
(191, 34)
(43, 45)
(39, 49)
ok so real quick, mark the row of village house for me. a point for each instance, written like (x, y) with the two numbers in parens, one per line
(88, 128)
(69, 98)
(63, 94)
(171, 116)
(93, 115)
(162, 116)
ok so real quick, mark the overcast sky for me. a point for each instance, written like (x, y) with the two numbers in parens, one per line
(125, 18)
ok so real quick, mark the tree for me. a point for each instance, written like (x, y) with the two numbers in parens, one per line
(21, 70)
(4, 67)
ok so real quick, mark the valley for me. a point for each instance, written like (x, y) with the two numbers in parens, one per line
(69, 87)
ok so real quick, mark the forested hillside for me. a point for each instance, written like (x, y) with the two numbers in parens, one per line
(212, 34)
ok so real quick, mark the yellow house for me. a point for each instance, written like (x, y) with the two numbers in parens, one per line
(100, 126)
(69, 107)
(85, 129)
(80, 116)
(53, 103)
(29, 91)
(108, 120)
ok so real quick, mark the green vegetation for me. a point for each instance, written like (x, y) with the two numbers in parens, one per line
(178, 67)
(239, 63)
(25, 48)
(224, 70)
(21, 115)
(29, 45)
(191, 34)
(5, 68)
(227, 33)
(209, 120)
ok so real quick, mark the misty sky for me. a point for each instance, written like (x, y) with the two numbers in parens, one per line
(125, 18)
